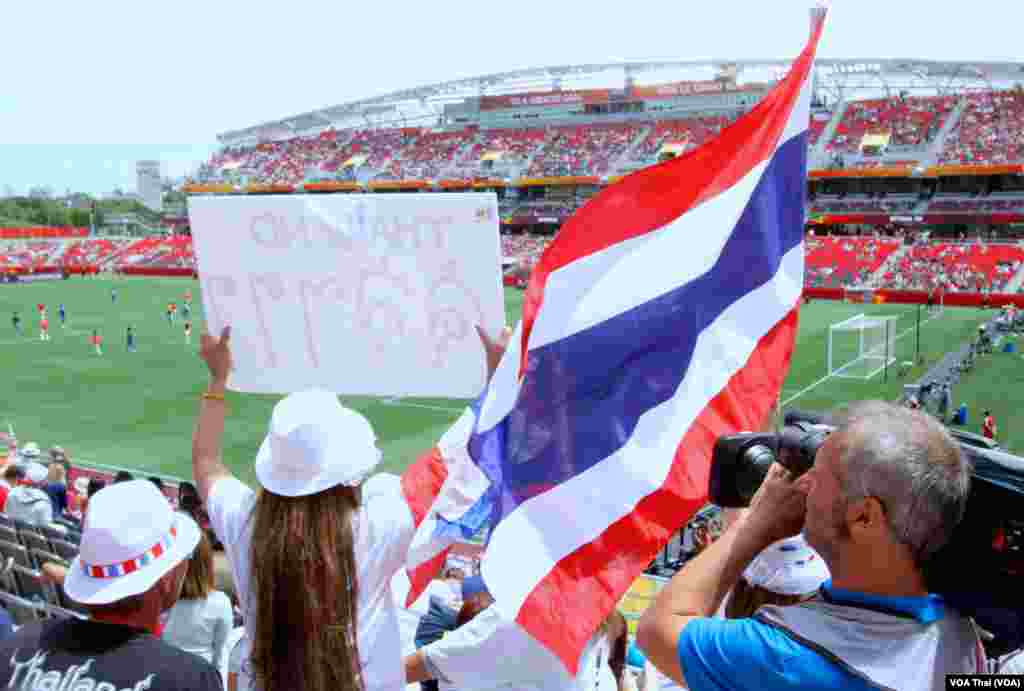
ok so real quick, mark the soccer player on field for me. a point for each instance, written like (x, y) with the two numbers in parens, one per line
(170, 314)
(44, 328)
(16, 321)
(62, 314)
(130, 336)
(97, 341)
(113, 296)
(188, 332)
(186, 311)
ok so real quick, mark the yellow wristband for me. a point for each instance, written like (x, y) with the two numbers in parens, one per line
(210, 396)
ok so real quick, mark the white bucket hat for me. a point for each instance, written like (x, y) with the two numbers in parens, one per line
(314, 444)
(132, 539)
(30, 450)
(788, 567)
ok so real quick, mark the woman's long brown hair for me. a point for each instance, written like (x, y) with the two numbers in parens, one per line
(304, 584)
(199, 579)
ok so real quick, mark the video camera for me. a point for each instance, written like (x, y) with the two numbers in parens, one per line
(980, 570)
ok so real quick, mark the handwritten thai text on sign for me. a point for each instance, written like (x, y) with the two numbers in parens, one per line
(358, 294)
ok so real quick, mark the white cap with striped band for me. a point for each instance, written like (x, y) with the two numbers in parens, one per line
(132, 538)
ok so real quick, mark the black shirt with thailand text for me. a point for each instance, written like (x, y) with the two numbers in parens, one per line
(76, 654)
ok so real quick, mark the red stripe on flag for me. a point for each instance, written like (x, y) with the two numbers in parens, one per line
(421, 483)
(420, 577)
(567, 605)
(653, 197)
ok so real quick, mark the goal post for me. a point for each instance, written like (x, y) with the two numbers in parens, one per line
(862, 346)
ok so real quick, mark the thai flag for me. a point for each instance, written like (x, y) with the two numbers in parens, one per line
(661, 317)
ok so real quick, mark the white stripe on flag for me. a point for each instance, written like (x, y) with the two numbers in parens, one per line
(531, 540)
(616, 279)
(590, 290)
(800, 117)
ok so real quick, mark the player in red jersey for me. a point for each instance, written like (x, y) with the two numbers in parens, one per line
(97, 341)
(44, 328)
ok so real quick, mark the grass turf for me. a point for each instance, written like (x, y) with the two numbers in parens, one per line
(136, 410)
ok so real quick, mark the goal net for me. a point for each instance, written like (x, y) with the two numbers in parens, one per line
(861, 346)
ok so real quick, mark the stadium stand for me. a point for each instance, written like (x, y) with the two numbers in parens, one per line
(972, 267)
(523, 246)
(960, 204)
(844, 261)
(425, 157)
(991, 130)
(692, 133)
(173, 251)
(819, 121)
(863, 205)
(92, 252)
(31, 254)
(584, 150)
(492, 147)
(911, 121)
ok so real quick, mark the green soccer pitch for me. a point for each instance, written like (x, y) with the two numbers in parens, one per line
(136, 410)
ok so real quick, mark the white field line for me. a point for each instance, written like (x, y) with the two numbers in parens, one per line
(424, 406)
(821, 381)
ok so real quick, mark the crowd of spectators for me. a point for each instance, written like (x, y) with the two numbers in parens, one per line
(523, 247)
(819, 121)
(691, 133)
(832, 262)
(583, 150)
(92, 252)
(910, 120)
(426, 157)
(968, 267)
(863, 205)
(509, 147)
(34, 254)
(976, 205)
(990, 131)
(159, 252)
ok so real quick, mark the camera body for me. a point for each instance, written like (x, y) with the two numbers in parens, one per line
(978, 572)
(740, 462)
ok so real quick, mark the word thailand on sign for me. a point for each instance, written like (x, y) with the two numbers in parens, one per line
(357, 294)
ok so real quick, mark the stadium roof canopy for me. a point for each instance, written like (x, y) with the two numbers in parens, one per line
(834, 80)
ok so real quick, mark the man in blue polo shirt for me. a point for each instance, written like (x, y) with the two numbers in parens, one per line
(887, 490)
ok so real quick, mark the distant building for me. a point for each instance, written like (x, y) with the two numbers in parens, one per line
(149, 184)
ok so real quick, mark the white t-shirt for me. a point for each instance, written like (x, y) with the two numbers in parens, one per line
(383, 528)
(201, 627)
(491, 652)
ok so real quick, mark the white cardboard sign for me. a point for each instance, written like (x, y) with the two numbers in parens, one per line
(360, 294)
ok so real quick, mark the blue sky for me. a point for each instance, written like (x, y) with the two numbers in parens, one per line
(89, 88)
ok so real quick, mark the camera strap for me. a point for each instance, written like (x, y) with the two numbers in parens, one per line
(883, 649)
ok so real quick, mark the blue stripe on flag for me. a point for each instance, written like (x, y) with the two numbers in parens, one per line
(582, 396)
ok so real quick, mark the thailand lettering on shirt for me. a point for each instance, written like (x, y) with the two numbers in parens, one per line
(30, 675)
